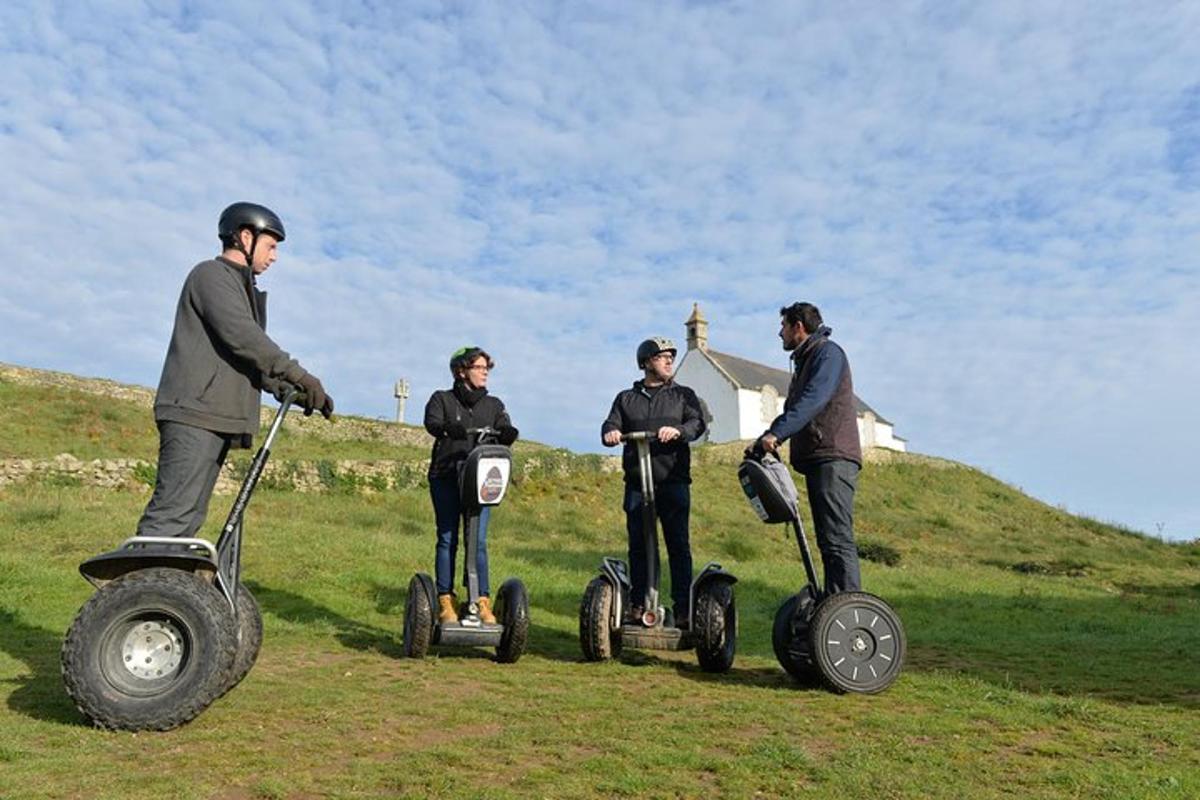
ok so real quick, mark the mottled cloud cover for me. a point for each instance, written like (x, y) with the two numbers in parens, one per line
(995, 205)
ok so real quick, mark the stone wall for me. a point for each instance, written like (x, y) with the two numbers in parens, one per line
(350, 475)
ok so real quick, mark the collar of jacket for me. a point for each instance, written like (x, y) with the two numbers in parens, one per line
(468, 397)
(816, 337)
(241, 268)
(640, 386)
(249, 280)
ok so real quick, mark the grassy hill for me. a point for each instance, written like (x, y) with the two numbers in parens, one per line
(1049, 655)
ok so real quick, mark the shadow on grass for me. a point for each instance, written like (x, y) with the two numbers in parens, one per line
(39, 694)
(582, 561)
(1114, 648)
(759, 677)
(1136, 648)
(292, 607)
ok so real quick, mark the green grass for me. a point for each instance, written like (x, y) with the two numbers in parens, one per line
(1073, 682)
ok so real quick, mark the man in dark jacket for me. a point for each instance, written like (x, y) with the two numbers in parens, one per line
(820, 419)
(219, 361)
(656, 403)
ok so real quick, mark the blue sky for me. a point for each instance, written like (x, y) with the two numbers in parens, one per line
(997, 206)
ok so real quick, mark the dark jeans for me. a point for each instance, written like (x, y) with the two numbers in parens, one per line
(831, 486)
(672, 502)
(447, 510)
(189, 462)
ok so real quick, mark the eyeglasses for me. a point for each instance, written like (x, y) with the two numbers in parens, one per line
(664, 357)
(480, 367)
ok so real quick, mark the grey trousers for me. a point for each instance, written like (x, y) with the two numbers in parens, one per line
(189, 462)
(831, 486)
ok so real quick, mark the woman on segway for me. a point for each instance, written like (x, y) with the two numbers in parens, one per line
(449, 415)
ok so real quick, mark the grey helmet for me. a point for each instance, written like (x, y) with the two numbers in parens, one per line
(652, 347)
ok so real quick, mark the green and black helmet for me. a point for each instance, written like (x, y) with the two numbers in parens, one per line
(463, 357)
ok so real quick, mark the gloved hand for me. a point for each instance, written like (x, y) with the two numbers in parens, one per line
(757, 450)
(507, 434)
(315, 398)
(280, 392)
(456, 430)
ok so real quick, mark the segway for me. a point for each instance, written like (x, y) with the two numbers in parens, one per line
(603, 630)
(483, 480)
(171, 627)
(853, 641)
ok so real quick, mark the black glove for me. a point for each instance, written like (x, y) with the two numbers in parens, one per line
(315, 398)
(506, 434)
(756, 451)
(456, 430)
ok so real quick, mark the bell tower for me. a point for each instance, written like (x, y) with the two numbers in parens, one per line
(697, 329)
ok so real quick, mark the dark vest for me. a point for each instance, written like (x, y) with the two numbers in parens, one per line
(833, 433)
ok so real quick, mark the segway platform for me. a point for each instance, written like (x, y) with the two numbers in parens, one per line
(639, 637)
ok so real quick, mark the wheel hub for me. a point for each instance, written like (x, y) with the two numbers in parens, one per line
(861, 644)
(152, 649)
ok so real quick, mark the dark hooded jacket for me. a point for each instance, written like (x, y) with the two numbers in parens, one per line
(451, 410)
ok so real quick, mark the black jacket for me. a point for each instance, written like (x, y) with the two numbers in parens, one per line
(456, 405)
(642, 409)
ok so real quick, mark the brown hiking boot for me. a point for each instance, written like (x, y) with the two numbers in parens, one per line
(485, 611)
(446, 613)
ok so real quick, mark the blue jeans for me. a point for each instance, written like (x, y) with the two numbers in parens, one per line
(672, 502)
(448, 513)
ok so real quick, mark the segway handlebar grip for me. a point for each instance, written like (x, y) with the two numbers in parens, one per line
(637, 436)
(483, 434)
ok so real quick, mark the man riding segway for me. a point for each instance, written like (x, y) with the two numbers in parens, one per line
(129, 661)
(659, 405)
(656, 419)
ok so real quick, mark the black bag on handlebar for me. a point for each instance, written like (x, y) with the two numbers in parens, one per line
(769, 488)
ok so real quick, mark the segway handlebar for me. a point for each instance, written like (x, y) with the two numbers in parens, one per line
(638, 436)
(485, 435)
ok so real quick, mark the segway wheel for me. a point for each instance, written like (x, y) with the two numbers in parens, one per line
(789, 636)
(418, 618)
(250, 637)
(149, 651)
(714, 623)
(857, 643)
(597, 636)
(512, 610)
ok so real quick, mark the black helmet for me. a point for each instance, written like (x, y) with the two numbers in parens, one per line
(258, 219)
(652, 347)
